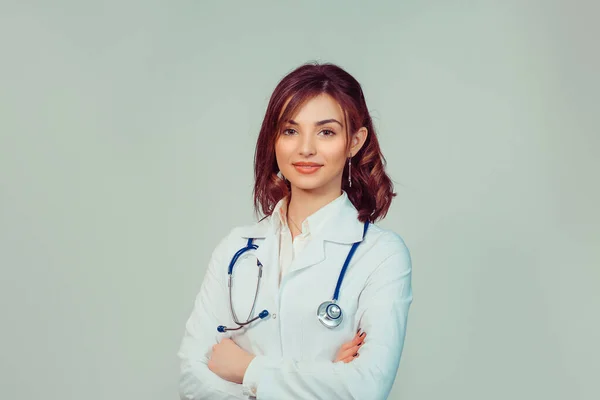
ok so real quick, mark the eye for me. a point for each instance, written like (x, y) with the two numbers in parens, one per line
(327, 132)
(288, 132)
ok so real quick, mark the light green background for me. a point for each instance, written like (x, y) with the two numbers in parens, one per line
(127, 132)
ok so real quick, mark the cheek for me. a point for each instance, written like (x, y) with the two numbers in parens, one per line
(336, 157)
(282, 154)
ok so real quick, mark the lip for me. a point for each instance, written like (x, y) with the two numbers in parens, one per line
(306, 164)
(306, 167)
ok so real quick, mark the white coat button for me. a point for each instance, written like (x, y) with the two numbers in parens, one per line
(274, 316)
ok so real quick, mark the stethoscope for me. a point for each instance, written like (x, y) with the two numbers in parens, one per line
(329, 312)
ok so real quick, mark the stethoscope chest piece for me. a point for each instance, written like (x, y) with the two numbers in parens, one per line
(330, 314)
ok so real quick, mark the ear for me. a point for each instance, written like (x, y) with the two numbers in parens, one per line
(358, 140)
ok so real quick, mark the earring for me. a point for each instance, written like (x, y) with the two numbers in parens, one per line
(349, 171)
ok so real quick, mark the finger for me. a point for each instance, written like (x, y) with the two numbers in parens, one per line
(345, 359)
(346, 346)
(348, 353)
(351, 358)
(351, 343)
(343, 355)
(355, 341)
(359, 339)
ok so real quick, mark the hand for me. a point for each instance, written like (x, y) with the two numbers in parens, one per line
(229, 361)
(349, 350)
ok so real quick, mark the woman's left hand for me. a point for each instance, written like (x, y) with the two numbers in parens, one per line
(229, 361)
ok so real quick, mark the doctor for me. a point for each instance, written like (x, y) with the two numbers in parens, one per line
(279, 319)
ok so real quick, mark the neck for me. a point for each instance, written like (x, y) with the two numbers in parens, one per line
(304, 203)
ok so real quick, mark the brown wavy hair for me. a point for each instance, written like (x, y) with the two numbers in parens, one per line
(372, 189)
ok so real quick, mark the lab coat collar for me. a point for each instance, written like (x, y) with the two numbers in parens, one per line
(342, 227)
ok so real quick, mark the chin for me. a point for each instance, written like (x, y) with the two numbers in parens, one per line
(307, 185)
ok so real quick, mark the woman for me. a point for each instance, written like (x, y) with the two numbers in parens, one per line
(326, 271)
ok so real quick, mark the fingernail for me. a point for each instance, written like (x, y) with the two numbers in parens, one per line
(358, 330)
(362, 334)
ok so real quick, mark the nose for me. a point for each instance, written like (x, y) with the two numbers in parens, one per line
(307, 145)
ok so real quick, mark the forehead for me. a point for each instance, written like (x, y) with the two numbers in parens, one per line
(319, 108)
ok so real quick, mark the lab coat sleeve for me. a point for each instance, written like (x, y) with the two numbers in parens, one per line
(382, 313)
(196, 381)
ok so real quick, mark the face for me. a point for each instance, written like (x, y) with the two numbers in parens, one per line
(311, 151)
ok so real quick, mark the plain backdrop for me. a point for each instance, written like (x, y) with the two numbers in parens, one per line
(127, 133)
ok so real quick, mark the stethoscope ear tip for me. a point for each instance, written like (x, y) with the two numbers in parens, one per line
(263, 314)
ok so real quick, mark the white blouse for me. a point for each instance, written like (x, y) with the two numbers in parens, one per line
(290, 249)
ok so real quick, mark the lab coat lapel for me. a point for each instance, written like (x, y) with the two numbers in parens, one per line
(267, 253)
(266, 238)
(313, 253)
(343, 227)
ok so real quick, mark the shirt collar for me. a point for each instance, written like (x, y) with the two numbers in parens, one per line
(314, 222)
(346, 229)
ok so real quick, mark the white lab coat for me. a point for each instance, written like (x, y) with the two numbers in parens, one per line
(294, 351)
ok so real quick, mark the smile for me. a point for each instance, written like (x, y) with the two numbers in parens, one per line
(307, 168)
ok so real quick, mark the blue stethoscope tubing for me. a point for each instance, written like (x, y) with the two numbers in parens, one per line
(329, 312)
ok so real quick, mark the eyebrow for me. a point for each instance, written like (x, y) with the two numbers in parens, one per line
(319, 123)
